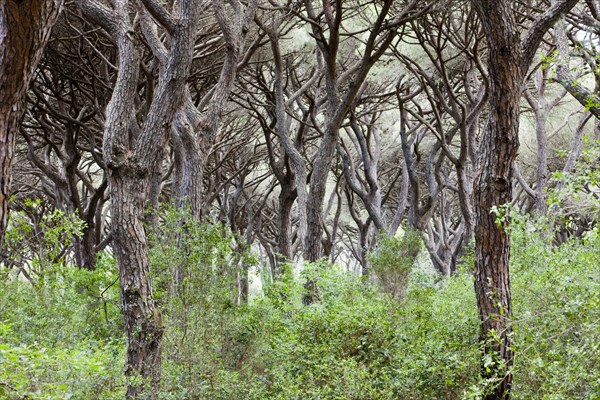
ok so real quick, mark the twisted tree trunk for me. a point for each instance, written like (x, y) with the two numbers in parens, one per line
(132, 157)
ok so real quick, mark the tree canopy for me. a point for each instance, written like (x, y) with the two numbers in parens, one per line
(195, 164)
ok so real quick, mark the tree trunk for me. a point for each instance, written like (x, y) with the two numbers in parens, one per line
(244, 282)
(196, 130)
(129, 185)
(25, 27)
(142, 319)
(287, 196)
(189, 166)
(493, 188)
(313, 249)
(85, 254)
(509, 59)
(132, 158)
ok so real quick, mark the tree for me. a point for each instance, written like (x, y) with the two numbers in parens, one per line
(325, 24)
(196, 128)
(444, 113)
(509, 58)
(61, 133)
(584, 25)
(132, 154)
(25, 28)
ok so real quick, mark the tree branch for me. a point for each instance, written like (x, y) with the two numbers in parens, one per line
(535, 34)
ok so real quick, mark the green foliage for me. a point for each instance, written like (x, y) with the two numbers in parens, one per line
(61, 337)
(37, 239)
(591, 101)
(502, 214)
(354, 343)
(338, 348)
(557, 318)
(392, 260)
(548, 60)
(196, 271)
(92, 370)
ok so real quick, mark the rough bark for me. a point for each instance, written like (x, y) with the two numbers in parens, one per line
(493, 188)
(509, 59)
(25, 27)
(131, 158)
(198, 127)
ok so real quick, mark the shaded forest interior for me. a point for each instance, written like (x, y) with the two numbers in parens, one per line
(288, 199)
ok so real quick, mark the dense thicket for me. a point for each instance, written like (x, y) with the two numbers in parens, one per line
(64, 336)
(295, 199)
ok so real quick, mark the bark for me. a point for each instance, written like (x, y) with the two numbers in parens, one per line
(509, 59)
(296, 160)
(127, 188)
(25, 27)
(494, 188)
(369, 155)
(131, 160)
(540, 114)
(197, 128)
(287, 196)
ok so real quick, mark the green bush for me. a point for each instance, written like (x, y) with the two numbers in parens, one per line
(62, 336)
(195, 273)
(557, 318)
(393, 259)
(37, 239)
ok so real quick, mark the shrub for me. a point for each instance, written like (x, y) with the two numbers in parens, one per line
(393, 259)
(61, 337)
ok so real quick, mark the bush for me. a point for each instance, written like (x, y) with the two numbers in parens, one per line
(392, 260)
(61, 337)
(195, 272)
(557, 318)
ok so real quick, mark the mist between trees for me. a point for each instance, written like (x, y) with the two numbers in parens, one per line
(299, 199)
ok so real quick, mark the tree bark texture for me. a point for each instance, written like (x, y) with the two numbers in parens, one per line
(196, 130)
(126, 183)
(509, 59)
(292, 171)
(25, 27)
(131, 156)
(130, 184)
(493, 188)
